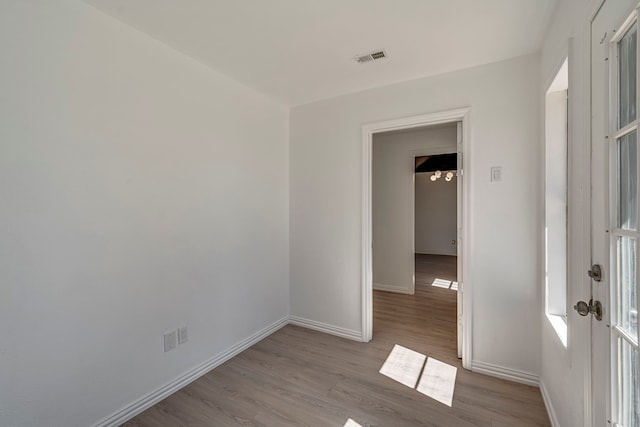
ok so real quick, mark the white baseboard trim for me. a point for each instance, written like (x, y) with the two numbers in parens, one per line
(391, 288)
(547, 403)
(505, 373)
(188, 377)
(437, 253)
(326, 328)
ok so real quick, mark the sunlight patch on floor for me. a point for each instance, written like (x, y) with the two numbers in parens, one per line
(438, 381)
(351, 423)
(445, 284)
(403, 365)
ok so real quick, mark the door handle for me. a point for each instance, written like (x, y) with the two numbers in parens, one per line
(585, 309)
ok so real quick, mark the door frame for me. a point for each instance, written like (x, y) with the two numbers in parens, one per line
(368, 130)
(592, 11)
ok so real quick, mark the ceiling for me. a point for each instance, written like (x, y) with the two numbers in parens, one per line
(299, 51)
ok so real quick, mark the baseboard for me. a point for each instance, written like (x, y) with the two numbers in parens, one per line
(326, 328)
(391, 288)
(505, 373)
(188, 377)
(436, 253)
(547, 403)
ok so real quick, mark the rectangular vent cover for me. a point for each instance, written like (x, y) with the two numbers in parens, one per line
(379, 54)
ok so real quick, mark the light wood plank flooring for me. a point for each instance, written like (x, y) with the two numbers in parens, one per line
(299, 377)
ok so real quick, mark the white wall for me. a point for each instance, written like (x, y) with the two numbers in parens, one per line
(435, 215)
(393, 210)
(139, 191)
(562, 368)
(326, 194)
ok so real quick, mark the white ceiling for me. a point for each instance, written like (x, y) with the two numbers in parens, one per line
(298, 51)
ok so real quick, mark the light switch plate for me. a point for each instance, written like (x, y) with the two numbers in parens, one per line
(496, 174)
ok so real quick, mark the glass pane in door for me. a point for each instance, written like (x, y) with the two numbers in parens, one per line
(627, 78)
(627, 279)
(627, 181)
(625, 393)
(628, 385)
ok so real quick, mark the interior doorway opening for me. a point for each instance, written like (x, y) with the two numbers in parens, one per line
(396, 246)
(435, 236)
(436, 221)
(414, 227)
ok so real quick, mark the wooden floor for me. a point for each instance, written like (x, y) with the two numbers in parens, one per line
(299, 377)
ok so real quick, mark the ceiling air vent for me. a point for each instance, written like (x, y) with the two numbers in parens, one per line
(378, 54)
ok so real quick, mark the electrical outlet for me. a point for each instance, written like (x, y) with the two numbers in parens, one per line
(170, 339)
(183, 334)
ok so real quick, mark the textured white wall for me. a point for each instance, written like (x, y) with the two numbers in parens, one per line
(139, 191)
(326, 194)
(393, 198)
(435, 216)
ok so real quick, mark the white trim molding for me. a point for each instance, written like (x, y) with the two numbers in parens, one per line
(392, 288)
(368, 130)
(326, 328)
(506, 373)
(547, 403)
(150, 399)
(147, 401)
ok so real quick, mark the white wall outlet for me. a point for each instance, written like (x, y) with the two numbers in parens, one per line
(183, 334)
(170, 340)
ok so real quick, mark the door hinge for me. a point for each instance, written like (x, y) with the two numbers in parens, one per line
(595, 273)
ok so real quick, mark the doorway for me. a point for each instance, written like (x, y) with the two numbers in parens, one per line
(460, 119)
(435, 232)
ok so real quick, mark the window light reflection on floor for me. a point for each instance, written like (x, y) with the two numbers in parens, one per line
(404, 365)
(438, 381)
(446, 284)
(351, 423)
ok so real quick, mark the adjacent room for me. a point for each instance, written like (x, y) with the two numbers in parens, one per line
(320, 213)
(414, 224)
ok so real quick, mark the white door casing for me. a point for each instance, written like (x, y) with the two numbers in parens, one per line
(460, 239)
(464, 288)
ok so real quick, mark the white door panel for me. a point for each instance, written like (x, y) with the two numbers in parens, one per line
(614, 213)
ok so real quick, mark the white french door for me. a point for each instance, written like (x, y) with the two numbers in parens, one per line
(614, 213)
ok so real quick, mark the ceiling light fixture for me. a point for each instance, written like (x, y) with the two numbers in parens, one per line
(448, 175)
